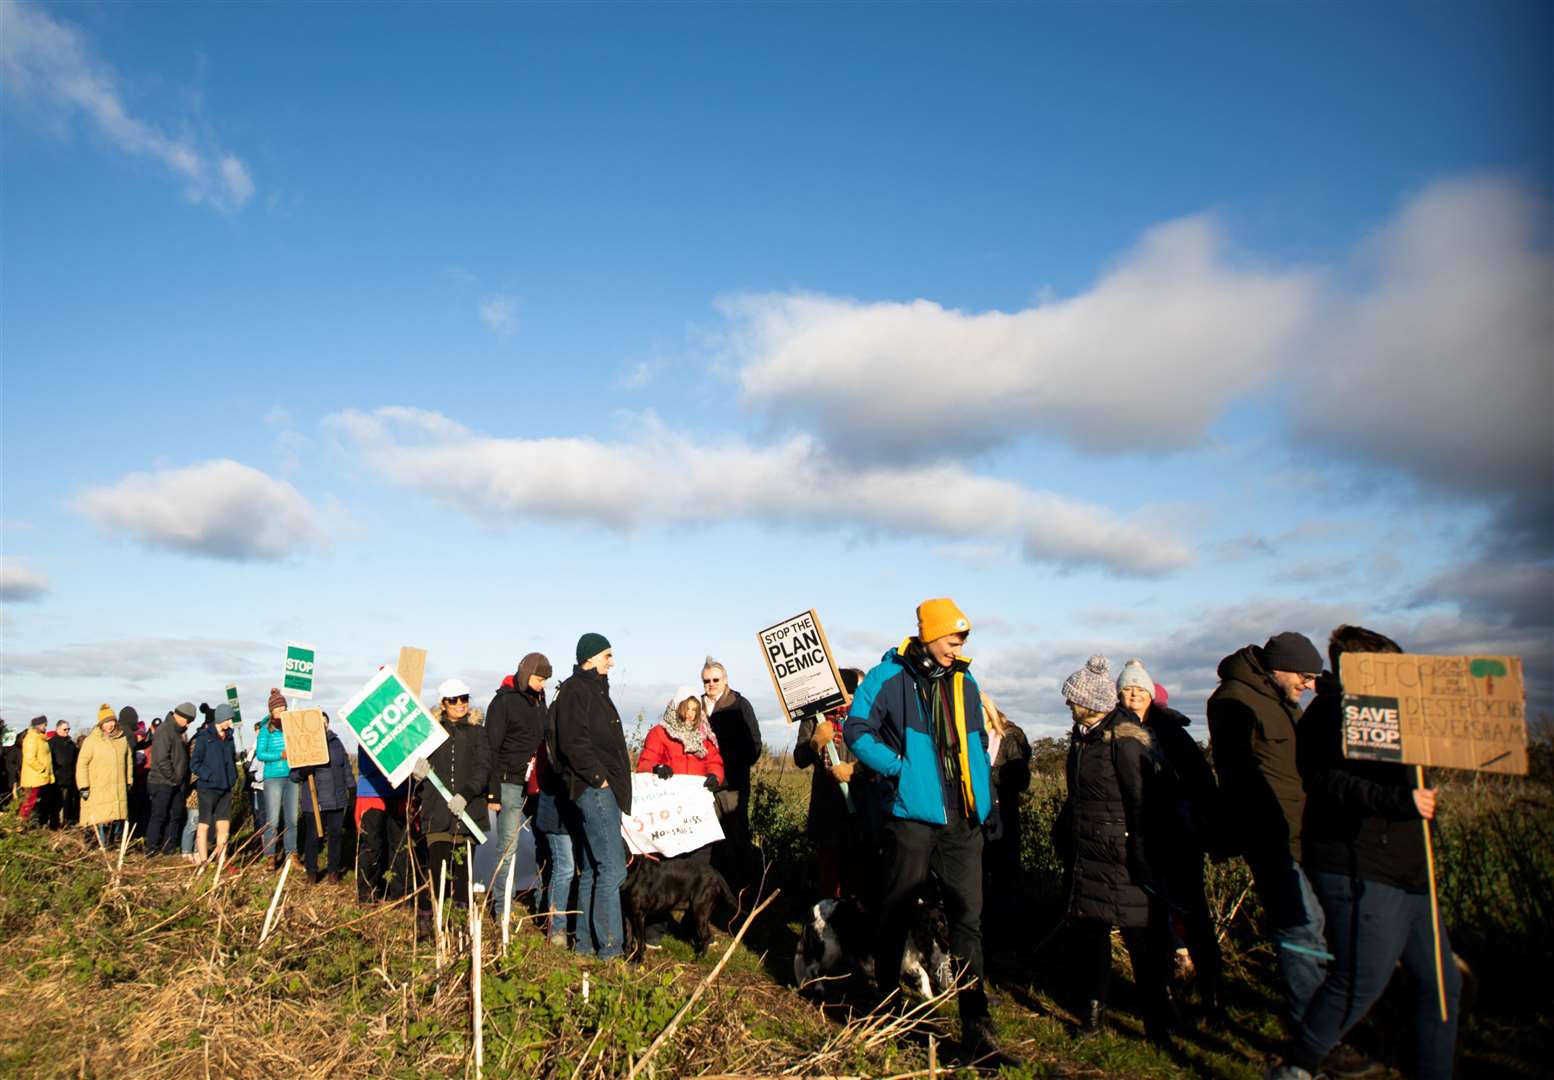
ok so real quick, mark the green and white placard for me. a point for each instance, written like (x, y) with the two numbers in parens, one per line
(297, 680)
(392, 725)
(237, 713)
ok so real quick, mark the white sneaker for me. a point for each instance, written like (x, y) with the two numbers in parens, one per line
(1284, 1070)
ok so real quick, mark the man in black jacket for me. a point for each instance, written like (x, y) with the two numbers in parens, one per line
(596, 770)
(165, 783)
(515, 724)
(734, 725)
(1363, 847)
(1252, 718)
(66, 806)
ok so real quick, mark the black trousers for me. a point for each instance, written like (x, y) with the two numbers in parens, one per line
(446, 854)
(953, 854)
(1148, 949)
(310, 841)
(1184, 883)
(382, 866)
(734, 856)
(164, 823)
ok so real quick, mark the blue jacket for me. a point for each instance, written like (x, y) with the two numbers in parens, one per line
(890, 731)
(271, 749)
(370, 781)
(213, 761)
(333, 780)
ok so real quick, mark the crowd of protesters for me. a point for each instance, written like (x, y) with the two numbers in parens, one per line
(916, 779)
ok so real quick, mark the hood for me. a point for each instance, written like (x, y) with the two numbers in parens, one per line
(533, 664)
(507, 684)
(1246, 666)
(1160, 714)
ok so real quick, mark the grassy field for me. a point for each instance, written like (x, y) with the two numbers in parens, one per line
(152, 971)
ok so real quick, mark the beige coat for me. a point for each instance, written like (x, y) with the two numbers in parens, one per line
(105, 770)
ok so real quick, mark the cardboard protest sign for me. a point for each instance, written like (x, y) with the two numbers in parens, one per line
(670, 817)
(305, 742)
(1455, 712)
(799, 658)
(391, 725)
(297, 679)
(237, 713)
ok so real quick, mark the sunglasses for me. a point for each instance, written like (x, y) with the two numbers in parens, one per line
(462, 699)
(710, 682)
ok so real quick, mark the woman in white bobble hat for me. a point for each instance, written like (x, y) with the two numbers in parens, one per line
(463, 764)
(1102, 834)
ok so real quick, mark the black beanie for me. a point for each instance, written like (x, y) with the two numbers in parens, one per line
(590, 646)
(1290, 651)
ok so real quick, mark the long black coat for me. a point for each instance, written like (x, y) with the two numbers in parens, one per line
(64, 753)
(464, 765)
(1114, 792)
(738, 733)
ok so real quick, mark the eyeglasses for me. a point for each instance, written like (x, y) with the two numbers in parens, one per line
(462, 699)
(710, 682)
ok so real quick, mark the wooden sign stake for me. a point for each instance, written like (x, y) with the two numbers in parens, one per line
(412, 667)
(1435, 905)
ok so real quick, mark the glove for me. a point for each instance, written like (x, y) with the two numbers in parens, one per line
(825, 731)
(663, 772)
(421, 768)
(457, 804)
(86, 793)
(711, 783)
(842, 772)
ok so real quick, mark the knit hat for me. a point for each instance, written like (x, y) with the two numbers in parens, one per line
(1161, 697)
(1294, 652)
(128, 717)
(39, 721)
(222, 713)
(591, 645)
(1134, 675)
(186, 710)
(1091, 686)
(277, 699)
(940, 617)
(105, 712)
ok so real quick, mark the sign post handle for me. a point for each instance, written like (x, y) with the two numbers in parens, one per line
(318, 820)
(1435, 906)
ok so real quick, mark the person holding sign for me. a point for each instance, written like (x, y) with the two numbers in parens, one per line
(1364, 849)
(464, 765)
(681, 744)
(917, 721)
(846, 837)
(595, 767)
(322, 794)
(280, 794)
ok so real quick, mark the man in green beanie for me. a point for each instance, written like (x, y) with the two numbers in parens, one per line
(589, 746)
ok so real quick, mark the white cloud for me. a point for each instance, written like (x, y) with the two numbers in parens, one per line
(49, 65)
(221, 509)
(661, 478)
(142, 660)
(1444, 365)
(19, 583)
(500, 313)
(1147, 359)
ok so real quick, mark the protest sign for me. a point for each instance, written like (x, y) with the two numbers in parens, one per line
(799, 659)
(237, 713)
(670, 817)
(1455, 712)
(297, 679)
(305, 741)
(391, 725)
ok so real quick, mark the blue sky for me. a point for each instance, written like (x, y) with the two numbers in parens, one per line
(1152, 329)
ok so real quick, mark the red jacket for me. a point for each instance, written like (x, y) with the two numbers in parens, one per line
(660, 749)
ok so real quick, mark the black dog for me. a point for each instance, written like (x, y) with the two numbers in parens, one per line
(658, 887)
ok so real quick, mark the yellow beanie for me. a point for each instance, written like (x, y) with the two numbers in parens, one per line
(936, 618)
(105, 712)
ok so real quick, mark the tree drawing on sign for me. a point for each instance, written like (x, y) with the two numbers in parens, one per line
(1487, 670)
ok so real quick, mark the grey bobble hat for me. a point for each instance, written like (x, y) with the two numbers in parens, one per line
(1091, 686)
(186, 710)
(1133, 674)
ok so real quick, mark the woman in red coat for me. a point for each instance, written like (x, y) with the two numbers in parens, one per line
(681, 744)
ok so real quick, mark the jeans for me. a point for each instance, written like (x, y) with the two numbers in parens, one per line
(1296, 914)
(953, 853)
(601, 853)
(162, 826)
(280, 793)
(191, 824)
(256, 808)
(508, 822)
(109, 832)
(1372, 926)
(558, 898)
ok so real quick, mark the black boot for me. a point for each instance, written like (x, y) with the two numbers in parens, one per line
(979, 1046)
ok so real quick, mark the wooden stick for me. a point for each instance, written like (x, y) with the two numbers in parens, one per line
(124, 839)
(474, 961)
(701, 988)
(411, 667)
(442, 888)
(933, 1058)
(318, 821)
(269, 916)
(1435, 904)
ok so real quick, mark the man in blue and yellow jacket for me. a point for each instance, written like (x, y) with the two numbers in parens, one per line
(916, 720)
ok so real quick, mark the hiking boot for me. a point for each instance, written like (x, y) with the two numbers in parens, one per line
(1344, 1060)
(334, 877)
(979, 1047)
(1091, 1020)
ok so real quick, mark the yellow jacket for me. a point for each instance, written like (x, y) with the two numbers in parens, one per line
(37, 762)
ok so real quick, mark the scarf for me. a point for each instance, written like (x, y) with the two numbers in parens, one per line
(687, 734)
